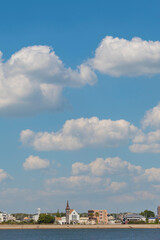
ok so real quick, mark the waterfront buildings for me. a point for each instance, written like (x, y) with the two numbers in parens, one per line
(98, 216)
(4, 217)
(135, 218)
(72, 217)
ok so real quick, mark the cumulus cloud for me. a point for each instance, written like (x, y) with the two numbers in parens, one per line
(149, 142)
(86, 183)
(149, 175)
(117, 186)
(80, 133)
(74, 181)
(32, 81)
(3, 175)
(121, 57)
(134, 197)
(35, 162)
(152, 118)
(102, 166)
(148, 139)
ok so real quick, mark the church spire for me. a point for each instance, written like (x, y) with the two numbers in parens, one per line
(67, 207)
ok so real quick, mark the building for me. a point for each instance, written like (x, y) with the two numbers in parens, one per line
(158, 211)
(72, 217)
(152, 220)
(60, 220)
(134, 217)
(111, 220)
(4, 217)
(84, 220)
(35, 217)
(98, 216)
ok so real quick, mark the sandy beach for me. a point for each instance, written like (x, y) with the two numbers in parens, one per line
(51, 226)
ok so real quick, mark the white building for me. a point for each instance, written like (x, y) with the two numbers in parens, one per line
(4, 217)
(84, 220)
(35, 217)
(60, 220)
(73, 217)
(135, 217)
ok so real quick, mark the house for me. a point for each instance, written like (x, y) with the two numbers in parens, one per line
(60, 220)
(134, 217)
(151, 219)
(111, 220)
(4, 217)
(98, 216)
(84, 220)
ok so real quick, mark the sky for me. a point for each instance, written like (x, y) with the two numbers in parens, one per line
(79, 105)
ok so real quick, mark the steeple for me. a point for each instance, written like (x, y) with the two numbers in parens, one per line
(67, 207)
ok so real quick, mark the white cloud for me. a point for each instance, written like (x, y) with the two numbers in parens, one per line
(80, 133)
(3, 175)
(32, 81)
(74, 181)
(152, 118)
(121, 57)
(149, 142)
(134, 197)
(34, 162)
(149, 175)
(102, 166)
(85, 183)
(117, 186)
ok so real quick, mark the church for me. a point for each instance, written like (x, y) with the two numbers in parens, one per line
(72, 217)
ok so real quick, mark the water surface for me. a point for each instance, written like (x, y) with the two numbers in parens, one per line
(81, 234)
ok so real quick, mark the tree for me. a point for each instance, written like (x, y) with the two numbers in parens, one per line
(45, 218)
(58, 213)
(90, 215)
(147, 213)
(97, 214)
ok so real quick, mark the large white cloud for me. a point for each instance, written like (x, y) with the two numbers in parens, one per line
(121, 57)
(35, 162)
(33, 78)
(80, 133)
(102, 166)
(87, 183)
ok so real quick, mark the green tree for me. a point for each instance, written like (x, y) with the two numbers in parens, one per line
(147, 213)
(58, 213)
(45, 218)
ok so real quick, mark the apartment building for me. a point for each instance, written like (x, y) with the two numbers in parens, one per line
(98, 216)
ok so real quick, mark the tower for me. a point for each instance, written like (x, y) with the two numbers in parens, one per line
(38, 211)
(67, 213)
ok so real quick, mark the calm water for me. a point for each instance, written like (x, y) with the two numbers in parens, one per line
(81, 234)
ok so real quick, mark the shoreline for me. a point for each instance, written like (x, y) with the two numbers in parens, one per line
(52, 226)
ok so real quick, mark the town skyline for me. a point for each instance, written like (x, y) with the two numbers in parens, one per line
(79, 105)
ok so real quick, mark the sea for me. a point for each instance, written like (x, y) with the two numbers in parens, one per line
(81, 234)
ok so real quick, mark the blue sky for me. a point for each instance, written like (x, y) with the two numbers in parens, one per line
(79, 105)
